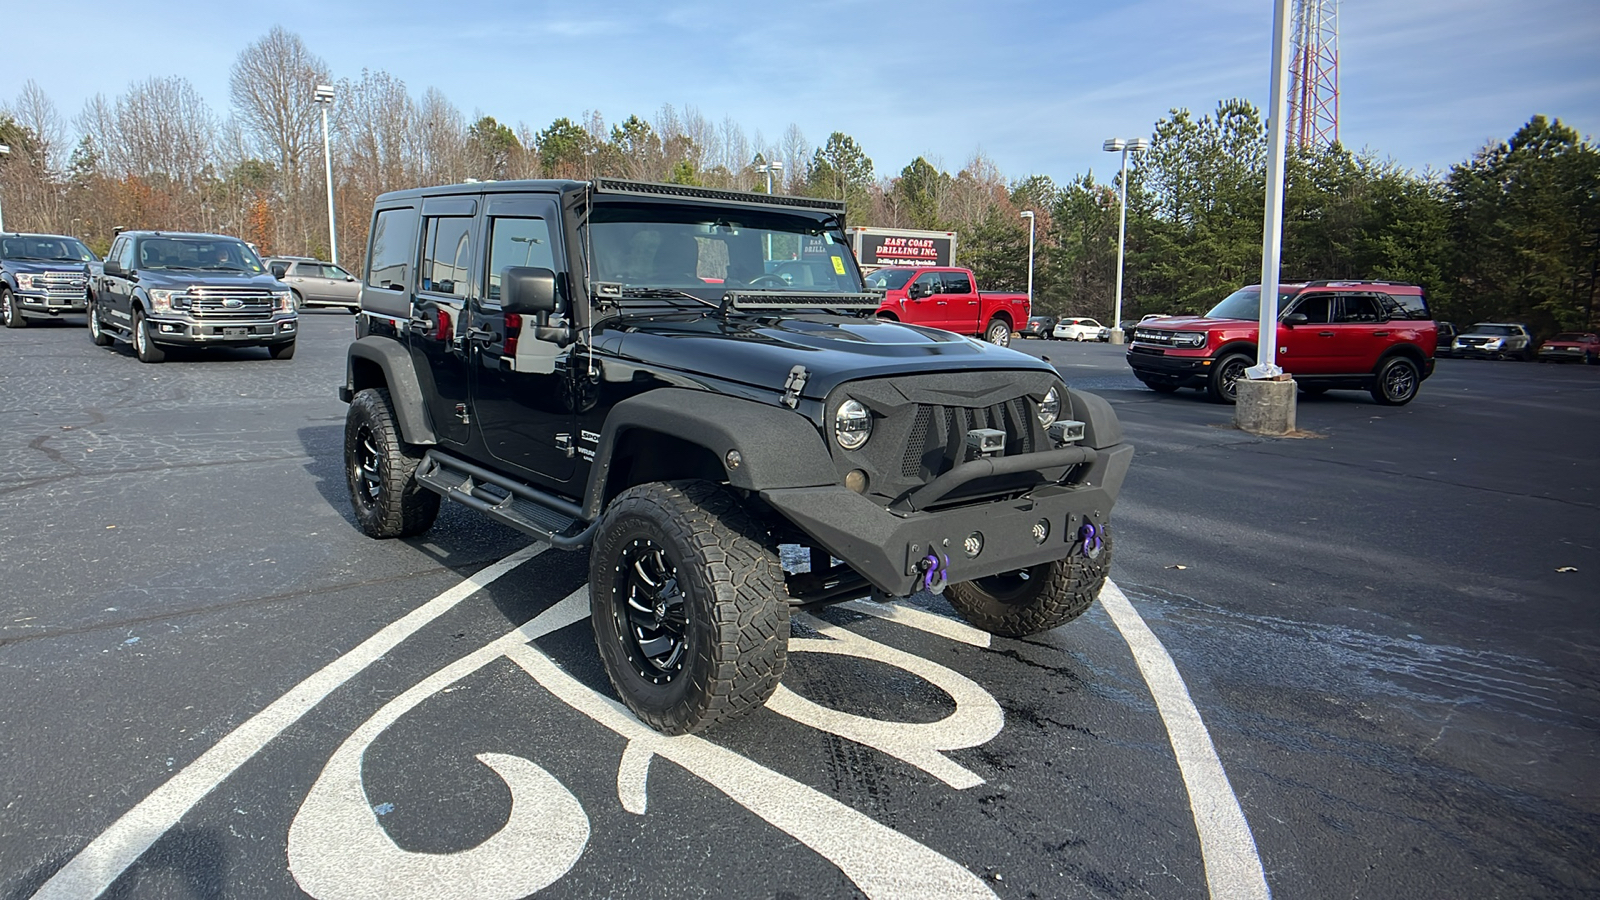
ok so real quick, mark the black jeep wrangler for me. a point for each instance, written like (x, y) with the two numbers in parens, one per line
(618, 365)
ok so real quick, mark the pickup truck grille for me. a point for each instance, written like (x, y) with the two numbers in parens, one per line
(1151, 336)
(938, 439)
(63, 287)
(230, 303)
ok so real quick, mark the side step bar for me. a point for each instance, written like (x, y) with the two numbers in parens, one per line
(533, 512)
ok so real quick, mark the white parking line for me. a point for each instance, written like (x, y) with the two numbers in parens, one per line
(1233, 867)
(96, 866)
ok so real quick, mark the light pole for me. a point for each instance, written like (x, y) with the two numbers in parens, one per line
(5, 150)
(323, 97)
(1028, 214)
(769, 169)
(1123, 146)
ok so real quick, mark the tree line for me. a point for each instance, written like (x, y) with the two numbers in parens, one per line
(1512, 233)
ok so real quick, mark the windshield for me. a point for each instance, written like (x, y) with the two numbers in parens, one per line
(889, 279)
(218, 254)
(1572, 336)
(1503, 330)
(683, 249)
(1245, 303)
(54, 249)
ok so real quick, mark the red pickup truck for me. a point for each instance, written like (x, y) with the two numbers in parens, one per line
(948, 298)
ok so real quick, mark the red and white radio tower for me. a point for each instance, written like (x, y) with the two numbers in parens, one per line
(1314, 75)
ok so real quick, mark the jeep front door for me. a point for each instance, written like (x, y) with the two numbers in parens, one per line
(525, 411)
(437, 331)
(1306, 348)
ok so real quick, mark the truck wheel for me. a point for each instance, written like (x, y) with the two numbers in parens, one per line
(143, 346)
(97, 331)
(284, 350)
(1017, 604)
(9, 311)
(688, 605)
(299, 301)
(1223, 385)
(380, 465)
(998, 333)
(1396, 382)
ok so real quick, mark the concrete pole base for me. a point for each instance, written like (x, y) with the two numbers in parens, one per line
(1116, 336)
(1264, 407)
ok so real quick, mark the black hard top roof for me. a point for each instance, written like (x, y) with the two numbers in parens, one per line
(623, 187)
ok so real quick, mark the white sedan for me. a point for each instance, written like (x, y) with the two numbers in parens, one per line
(1080, 329)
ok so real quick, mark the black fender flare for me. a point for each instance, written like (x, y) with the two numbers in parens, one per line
(399, 375)
(778, 447)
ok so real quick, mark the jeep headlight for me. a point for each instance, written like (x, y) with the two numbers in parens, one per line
(25, 280)
(1050, 408)
(164, 301)
(282, 301)
(1189, 339)
(852, 425)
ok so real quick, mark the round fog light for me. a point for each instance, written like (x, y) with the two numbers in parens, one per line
(973, 545)
(856, 481)
(1041, 531)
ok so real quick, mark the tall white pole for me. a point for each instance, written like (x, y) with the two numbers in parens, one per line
(1031, 219)
(327, 159)
(1272, 232)
(5, 150)
(1122, 241)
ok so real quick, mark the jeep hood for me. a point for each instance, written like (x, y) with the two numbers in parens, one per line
(760, 351)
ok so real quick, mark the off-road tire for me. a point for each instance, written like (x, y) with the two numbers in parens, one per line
(1222, 386)
(1397, 382)
(284, 350)
(97, 326)
(10, 311)
(729, 586)
(380, 468)
(143, 346)
(998, 333)
(1017, 604)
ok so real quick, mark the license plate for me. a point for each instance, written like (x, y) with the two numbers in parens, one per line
(240, 331)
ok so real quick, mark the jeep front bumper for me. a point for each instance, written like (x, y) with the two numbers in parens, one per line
(972, 541)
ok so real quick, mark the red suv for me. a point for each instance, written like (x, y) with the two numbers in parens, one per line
(1375, 336)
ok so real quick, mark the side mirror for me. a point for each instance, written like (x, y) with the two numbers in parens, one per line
(112, 267)
(349, 278)
(1294, 319)
(526, 289)
(920, 290)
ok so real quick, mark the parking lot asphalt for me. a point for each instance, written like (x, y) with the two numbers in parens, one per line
(217, 687)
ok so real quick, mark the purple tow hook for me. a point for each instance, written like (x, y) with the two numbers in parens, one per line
(1090, 536)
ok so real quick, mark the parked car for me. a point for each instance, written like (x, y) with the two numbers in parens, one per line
(1078, 328)
(1128, 326)
(555, 356)
(161, 289)
(1376, 336)
(1039, 327)
(315, 282)
(41, 277)
(948, 298)
(1443, 344)
(1494, 340)
(1572, 346)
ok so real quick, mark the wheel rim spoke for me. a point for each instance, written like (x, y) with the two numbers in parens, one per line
(650, 611)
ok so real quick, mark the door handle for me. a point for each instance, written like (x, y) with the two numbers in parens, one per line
(1380, 334)
(1324, 334)
(943, 302)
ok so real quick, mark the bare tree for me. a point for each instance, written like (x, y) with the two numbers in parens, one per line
(272, 85)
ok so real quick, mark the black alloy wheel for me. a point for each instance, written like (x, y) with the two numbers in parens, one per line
(381, 468)
(1396, 382)
(650, 611)
(1223, 386)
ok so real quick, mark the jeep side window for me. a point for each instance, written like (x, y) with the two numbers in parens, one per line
(1357, 308)
(516, 242)
(1315, 308)
(957, 283)
(1405, 306)
(394, 241)
(447, 256)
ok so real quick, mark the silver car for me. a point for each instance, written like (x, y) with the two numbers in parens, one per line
(316, 283)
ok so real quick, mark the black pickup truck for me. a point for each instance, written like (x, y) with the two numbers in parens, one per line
(41, 277)
(160, 289)
(613, 365)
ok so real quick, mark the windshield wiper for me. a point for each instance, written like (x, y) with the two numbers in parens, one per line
(663, 294)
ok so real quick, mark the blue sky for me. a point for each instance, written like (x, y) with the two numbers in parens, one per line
(1036, 86)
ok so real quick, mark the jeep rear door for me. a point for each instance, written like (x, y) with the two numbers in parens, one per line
(520, 393)
(437, 332)
(1361, 333)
